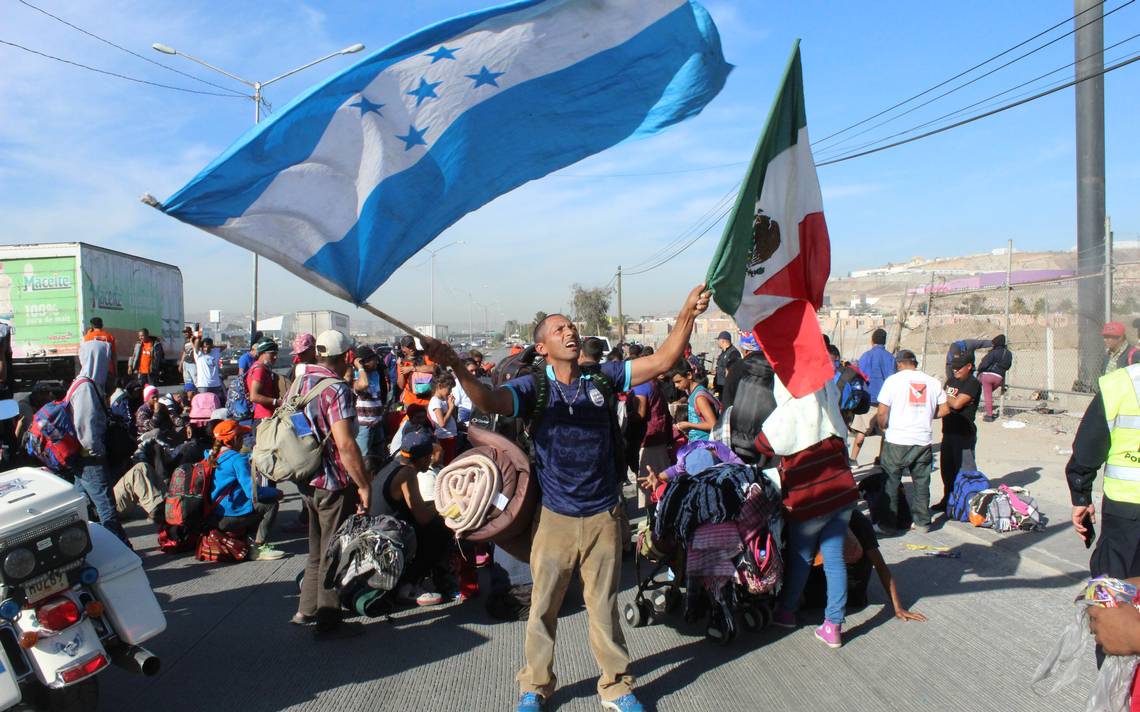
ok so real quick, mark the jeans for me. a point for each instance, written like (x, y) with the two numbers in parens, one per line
(826, 534)
(93, 479)
(913, 460)
(990, 381)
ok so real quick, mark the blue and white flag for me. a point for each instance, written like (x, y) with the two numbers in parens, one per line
(361, 172)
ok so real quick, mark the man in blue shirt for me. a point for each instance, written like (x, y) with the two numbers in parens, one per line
(578, 527)
(876, 364)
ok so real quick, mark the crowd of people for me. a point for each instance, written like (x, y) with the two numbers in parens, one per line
(391, 419)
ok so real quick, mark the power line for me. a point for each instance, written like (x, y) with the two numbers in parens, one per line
(972, 119)
(980, 102)
(672, 244)
(123, 76)
(130, 52)
(686, 246)
(959, 75)
(978, 78)
(650, 173)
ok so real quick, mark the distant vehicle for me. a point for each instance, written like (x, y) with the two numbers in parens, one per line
(314, 322)
(49, 293)
(229, 361)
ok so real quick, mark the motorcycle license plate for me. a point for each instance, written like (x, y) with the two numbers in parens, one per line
(45, 586)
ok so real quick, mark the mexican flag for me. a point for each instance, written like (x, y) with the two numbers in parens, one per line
(774, 258)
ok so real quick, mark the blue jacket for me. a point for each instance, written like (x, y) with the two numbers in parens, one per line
(234, 466)
(877, 364)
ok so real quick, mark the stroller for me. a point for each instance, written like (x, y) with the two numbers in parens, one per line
(716, 531)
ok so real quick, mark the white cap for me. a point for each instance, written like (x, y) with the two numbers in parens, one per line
(332, 343)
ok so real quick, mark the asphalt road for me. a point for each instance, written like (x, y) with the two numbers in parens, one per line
(994, 612)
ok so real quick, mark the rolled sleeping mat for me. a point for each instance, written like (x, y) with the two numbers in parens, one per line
(467, 490)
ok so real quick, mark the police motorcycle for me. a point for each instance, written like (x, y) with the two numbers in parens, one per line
(73, 597)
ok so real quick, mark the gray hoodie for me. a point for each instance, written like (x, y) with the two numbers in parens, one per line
(87, 404)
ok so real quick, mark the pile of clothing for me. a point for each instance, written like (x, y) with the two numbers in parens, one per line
(1006, 509)
(367, 557)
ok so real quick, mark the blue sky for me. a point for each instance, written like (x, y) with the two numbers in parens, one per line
(77, 149)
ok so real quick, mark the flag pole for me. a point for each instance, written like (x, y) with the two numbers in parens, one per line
(392, 320)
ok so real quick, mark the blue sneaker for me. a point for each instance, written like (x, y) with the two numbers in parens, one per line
(531, 702)
(625, 703)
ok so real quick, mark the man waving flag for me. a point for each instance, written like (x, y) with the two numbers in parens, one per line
(774, 258)
(358, 174)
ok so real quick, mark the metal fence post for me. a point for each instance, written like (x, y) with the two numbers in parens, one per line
(929, 305)
(1108, 269)
(1008, 293)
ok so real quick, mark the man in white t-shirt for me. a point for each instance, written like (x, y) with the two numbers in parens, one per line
(208, 367)
(909, 401)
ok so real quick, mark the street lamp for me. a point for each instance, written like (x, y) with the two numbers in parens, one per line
(257, 87)
(433, 253)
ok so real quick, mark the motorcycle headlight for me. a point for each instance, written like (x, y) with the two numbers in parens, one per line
(72, 541)
(19, 563)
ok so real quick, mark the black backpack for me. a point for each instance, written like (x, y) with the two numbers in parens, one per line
(754, 402)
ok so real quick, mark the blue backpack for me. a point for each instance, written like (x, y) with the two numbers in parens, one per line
(237, 399)
(853, 394)
(968, 484)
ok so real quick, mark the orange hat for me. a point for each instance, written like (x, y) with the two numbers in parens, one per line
(1113, 328)
(227, 430)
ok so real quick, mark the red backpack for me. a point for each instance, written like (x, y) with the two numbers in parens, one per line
(52, 438)
(188, 506)
(817, 481)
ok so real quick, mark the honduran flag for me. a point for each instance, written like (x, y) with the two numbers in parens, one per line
(358, 174)
(774, 258)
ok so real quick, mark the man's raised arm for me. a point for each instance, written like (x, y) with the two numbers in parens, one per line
(673, 348)
(489, 400)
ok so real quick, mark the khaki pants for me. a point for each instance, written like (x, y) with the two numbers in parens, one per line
(592, 546)
(137, 487)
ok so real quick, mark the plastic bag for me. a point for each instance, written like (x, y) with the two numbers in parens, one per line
(1113, 687)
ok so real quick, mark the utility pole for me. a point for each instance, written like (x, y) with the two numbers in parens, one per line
(1108, 269)
(621, 314)
(1089, 43)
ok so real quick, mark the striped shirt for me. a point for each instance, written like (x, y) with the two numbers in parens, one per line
(369, 407)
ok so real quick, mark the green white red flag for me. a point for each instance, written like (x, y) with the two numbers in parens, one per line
(774, 258)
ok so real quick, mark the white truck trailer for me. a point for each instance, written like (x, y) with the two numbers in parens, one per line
(49, 292)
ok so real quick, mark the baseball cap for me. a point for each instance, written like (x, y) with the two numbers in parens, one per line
(417, 443)
(365, 352)
(302, 343)
(1113, 328)
(724, 335)
(228, 430)
(332, 343)
(265, 346)
(906, 355)
(961, 361)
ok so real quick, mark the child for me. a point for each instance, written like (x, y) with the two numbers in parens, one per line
(243, 506)
(442, 411)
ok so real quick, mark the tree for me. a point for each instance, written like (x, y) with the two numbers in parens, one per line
(1039, 306)
(539, 317)
(1019, 306)
(512, 327)
(592, 308)
(1066, 306)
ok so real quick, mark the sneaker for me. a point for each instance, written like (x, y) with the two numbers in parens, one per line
(783, 618)
(831, 634)
(988, 419)
(419, 595)
(884, 530)
(531, 702)
(265, 552)
(625, 703)
(922, 528)
(302, 619)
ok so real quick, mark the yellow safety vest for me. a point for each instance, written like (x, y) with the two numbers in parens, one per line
(1120, 391)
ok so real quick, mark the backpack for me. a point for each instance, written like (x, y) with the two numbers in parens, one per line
(753, 403)
(187, 508)
(217, 545)
(968, 484)
(853, 394)
(237, 399)
(52, 438)
(280, 453)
